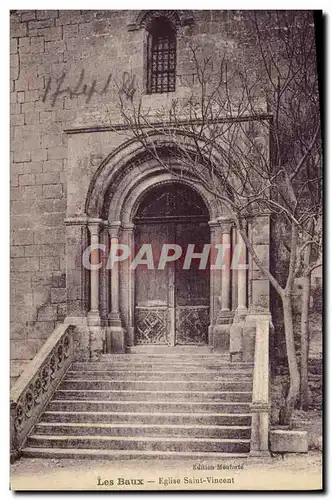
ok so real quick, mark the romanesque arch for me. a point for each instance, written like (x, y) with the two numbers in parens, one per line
(176, 17)
(107, 297)
(131, 164)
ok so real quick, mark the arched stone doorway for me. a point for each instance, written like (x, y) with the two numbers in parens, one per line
(124, 209)
(172, 293)
(104, 208)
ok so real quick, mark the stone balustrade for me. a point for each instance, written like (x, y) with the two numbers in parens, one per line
(36, 385)
(260, 392)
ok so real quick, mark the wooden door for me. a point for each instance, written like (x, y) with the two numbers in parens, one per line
(172, 304)
(153, 294)
(192, 290)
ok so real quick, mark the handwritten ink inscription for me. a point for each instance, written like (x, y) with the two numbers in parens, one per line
(128, 87)
(60, 89)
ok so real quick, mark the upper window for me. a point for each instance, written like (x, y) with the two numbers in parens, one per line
(161, 56)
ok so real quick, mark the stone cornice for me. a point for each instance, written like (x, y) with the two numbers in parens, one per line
(81, 220)
(89, 129)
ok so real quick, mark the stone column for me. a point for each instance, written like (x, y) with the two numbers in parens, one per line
(94, 314)
(215, 281)
(226, 226)
(94, 320)
(115, 339)
(127, 284)
(236, 331)
(234, 272)
(104, 285)
(114, 231)
(241, 277)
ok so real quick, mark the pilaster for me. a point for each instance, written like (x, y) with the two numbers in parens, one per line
(77, 281)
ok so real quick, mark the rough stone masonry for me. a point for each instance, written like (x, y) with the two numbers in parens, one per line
(53, 56)
(45, 46)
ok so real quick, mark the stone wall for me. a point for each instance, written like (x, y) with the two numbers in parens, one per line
(46, 46)
(279, 385)
(55, 55)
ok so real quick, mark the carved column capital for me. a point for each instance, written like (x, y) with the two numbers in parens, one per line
(94, 226)
(128, 227)
(225, 224)
(213, 223)
(114, 229)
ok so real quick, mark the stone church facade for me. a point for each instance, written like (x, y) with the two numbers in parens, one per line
(74, 180)
(77, 181)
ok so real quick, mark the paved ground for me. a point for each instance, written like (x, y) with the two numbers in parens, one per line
(273, 473)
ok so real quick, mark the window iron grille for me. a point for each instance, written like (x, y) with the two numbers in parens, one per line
(161, 57)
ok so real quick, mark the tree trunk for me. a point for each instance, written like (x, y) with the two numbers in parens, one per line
(294, 375)
(304, 384)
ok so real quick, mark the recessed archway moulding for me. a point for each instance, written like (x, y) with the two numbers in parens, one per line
(102, 203)
(129, 166)
(176, 17)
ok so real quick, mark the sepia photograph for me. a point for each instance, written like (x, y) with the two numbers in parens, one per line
(166, 250)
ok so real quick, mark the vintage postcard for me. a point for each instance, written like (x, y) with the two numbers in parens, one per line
(166, 250)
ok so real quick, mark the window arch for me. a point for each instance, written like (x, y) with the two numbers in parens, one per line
(161, 56)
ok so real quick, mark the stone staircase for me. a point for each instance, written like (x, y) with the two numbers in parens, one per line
(148, 405)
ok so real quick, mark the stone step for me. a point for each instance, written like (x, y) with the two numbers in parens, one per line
(161, 365)
(125, 429)
(159, 375)
(141, 443)
(131, 406)
(152, 406)
(168, 353)
(97, 454)
(141, 395)
(155, 418)
(156, 385)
